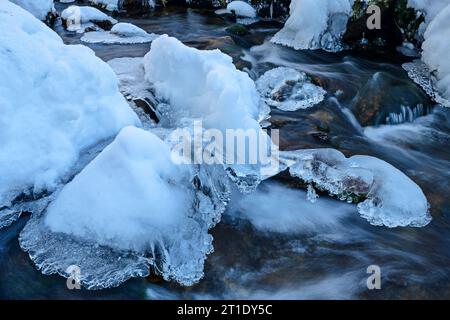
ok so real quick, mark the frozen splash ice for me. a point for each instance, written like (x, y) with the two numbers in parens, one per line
(288, 89)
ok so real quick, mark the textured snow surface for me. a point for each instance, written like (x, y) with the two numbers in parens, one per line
(48, 118)
(39, 8)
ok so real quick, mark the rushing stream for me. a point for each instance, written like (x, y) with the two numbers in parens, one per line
(298, 250)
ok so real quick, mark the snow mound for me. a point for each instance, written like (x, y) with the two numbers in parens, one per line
(133, 202)
(78, 18)
(205, 85)
(56, 101)
(38, 8)
(389, 197)
(241, 9)
(315, 24)
(435, 50)
(120, 33)
(288, 89)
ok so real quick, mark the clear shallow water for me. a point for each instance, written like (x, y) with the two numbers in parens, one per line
(301, 251)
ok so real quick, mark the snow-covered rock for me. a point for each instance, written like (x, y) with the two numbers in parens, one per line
(436, 48)
(123, 33)
(78, 18)
(241, 9)
(56, 100)
(390, 197)
(288, 89)
(39, 8)
(315, 24)
(205, 85)
(133, 202)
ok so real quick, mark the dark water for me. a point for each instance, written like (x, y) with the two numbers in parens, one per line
(317, 263)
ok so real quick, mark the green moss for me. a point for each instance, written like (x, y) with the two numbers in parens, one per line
(238, 29)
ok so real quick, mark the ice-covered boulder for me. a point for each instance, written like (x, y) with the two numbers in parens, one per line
(56, 100)
(315, 24)
(288, 89)
(385, 195)
(205, 85)
(122, 33)
(241, 9)
(77, 18)
(131, 209)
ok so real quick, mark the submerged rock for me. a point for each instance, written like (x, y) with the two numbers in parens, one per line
(384, 96)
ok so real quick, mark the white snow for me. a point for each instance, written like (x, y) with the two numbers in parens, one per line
(127, 197)
(315, 24)
(39, 8)
(393, 199)
(120, 33)
(241, 9)
(131, 201)
(56, 100)
(77, 17)
(436, 48)
(288, 89)
(205, 85)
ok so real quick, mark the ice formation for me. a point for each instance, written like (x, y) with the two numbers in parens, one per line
(78, 18)
(122, 33)
(39, 8)
(288, 89)
(241, 9)
(130, 209)
(205, 85)
(436, 48)
(315, 24)
(49, 118)
(386, 196)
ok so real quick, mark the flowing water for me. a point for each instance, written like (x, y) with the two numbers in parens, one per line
(275, 244)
